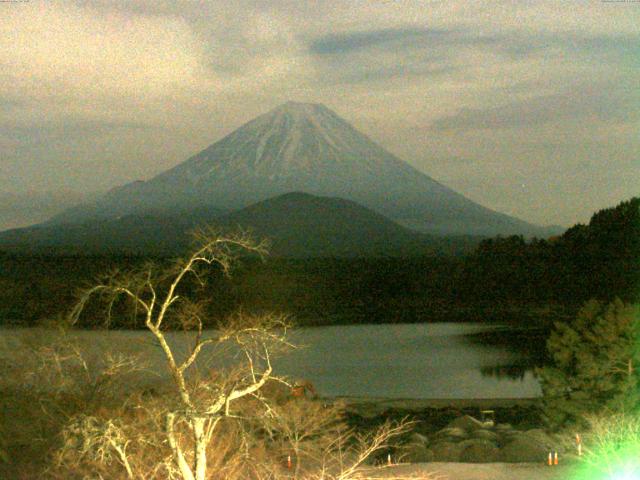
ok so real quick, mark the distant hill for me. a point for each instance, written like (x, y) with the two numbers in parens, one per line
(297, 224)
(150, 233)
(131, 233)
(308, 148)
(303, 225)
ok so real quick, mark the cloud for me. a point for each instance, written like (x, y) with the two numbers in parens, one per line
(390, 37)
(68, 131)
(380, 55)
(450, 55)
(57, 49)
(128, 89)
(10, 102)
(609, 47)
(447, 45)
(606, 103)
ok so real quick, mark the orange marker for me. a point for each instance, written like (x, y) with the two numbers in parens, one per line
(288, 461)
(555, 458)
(550, 460)
(579, 442)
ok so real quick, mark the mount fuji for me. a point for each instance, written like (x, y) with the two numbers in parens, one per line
(302, 147)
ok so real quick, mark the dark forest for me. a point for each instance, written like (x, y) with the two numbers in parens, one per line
(505, 279)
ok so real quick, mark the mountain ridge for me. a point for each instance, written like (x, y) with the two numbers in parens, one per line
(304, 147)
(299, 225)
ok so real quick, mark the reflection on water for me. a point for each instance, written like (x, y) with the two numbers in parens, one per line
(513, 372)
(407, 361)
(417, 361)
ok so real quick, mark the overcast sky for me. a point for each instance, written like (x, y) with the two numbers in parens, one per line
(531, 108)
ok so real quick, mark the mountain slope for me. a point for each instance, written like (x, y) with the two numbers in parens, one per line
(156, 233)
(303, 225)
(308, 148)
(134, 233)
(297, 224)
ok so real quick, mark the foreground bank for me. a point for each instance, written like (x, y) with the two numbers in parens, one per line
(464, 430)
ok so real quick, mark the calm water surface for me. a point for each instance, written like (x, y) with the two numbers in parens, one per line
(417, 361)
(404, 361)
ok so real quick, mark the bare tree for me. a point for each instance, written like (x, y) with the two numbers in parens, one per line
(202, 404)
(346, 457)
(324, 447)
(306, 429)
(175, 436)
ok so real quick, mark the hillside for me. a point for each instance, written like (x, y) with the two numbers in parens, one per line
(302, 225)
(297, 224)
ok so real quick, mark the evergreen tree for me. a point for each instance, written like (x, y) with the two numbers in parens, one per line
(595, 363)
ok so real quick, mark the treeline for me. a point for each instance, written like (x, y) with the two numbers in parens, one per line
(600, 260)
(505, 279)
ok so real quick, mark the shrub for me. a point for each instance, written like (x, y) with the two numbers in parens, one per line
(611, 448)
(595, 364)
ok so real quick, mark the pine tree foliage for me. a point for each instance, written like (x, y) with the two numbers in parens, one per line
(595, 363)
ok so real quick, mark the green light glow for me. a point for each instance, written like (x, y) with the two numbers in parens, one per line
(611, 448)
(612, 462)
(626, 476)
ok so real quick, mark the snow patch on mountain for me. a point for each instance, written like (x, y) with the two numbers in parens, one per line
(308, 148)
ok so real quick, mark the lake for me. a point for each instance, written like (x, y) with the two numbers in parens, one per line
(437, 360)
(417, 361)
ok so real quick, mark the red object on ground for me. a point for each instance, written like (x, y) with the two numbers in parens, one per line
(301, 389)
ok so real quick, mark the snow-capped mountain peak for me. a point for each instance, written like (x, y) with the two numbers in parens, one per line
(304, 147)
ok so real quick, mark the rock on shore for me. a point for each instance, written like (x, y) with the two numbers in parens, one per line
(466, 439)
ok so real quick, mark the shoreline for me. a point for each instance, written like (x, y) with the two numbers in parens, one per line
(417, 404)
(433, 414)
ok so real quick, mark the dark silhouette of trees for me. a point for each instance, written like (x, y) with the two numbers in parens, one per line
(600, 260)
(504, 278)
(594, 365)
